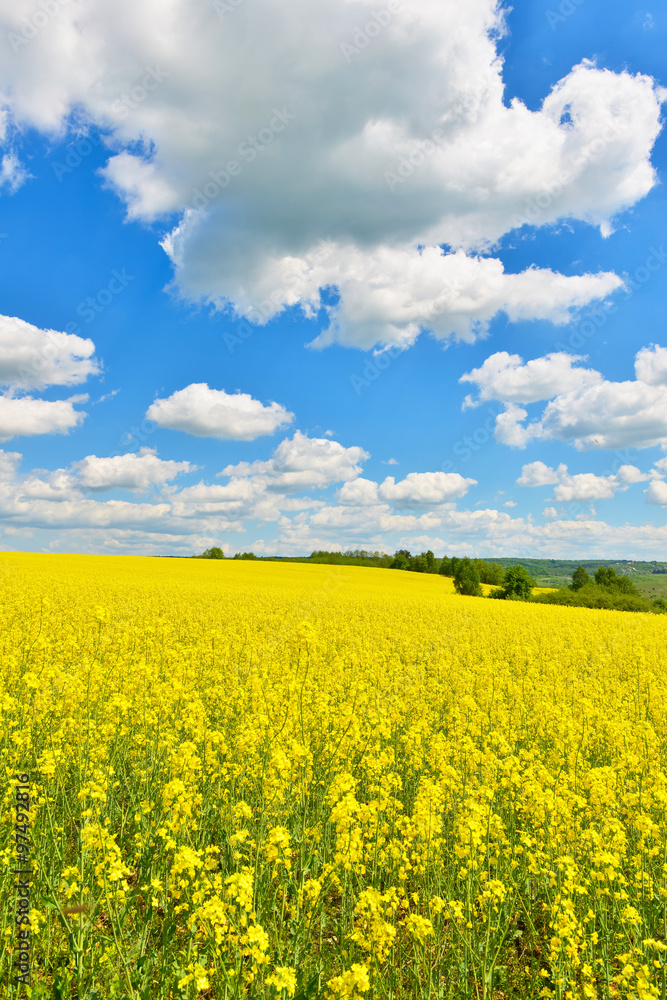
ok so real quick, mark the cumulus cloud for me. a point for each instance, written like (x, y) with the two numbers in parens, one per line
(12, 172)
(418, 489)
(585, 409)
(9, 463)
(422, 489)
(359, 493)
(389, 298)
(137, 472)
(31, 358)
(506, 377)
(406, 143)
(582, 486)
(215, 413)
(187, 520)
(657, 493)
(651, 365)
(301, 463)
(26, 416)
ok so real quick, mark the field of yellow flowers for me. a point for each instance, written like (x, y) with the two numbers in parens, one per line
(287, 780)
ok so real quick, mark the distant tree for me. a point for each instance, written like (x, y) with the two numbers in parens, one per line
(401, 560)
(430, 561)
(466, 579)
(518, 583)
(492, 573)
(446, 567)
(214, 553)
(606, 576)
(245, 555)
(580, 578)
(496, 575)
(419, 564)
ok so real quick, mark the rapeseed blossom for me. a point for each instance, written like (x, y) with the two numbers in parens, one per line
(263, 780)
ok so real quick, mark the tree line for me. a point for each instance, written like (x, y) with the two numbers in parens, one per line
(605, 589)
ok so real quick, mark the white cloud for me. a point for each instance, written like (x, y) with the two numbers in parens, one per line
(657, 493)
(129, 472)
(359, 493)
(301, 463)
(506, 377)
(651, 365)
(408, 142)
(509, 427)
(538, 474)
(585, 409)
(12, 172)
(390, 297)
(215, 413)
(26, 416)
(31, 358)
(189, 520)
(422, 489)
(609, 415)
(9, 463)
(582, 486)
(418, 489)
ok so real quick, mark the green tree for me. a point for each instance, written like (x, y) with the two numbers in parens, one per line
(580, 578)
(401, 560)
(214, 553)
(446, 567)
(466, 578)
(518, 583)
(606, 576)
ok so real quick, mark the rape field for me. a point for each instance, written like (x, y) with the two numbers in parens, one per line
(275, 780)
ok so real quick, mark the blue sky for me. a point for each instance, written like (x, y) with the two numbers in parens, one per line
(465, 210)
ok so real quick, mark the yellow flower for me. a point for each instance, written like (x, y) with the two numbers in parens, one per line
(283, 978)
